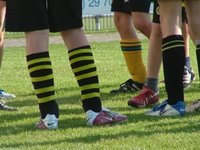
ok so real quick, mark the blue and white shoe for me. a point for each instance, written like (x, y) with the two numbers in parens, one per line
(3, 106)
(164, 109)
(5, 95)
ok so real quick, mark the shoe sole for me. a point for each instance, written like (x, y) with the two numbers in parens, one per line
(142, 106)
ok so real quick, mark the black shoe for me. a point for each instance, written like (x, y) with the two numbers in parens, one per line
(128, 86)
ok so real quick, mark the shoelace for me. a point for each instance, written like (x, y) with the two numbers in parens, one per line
(128, 85)
(194, 104)
(125, 83)
(144, 93)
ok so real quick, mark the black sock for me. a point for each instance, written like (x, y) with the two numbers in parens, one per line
(198, 56)
(173, 64)
(50, 107)
(92, 104)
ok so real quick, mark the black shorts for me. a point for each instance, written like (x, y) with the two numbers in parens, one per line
(31, 15)
(128, 6)
(156, 15)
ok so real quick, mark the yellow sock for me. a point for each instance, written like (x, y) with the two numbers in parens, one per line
(132, 51)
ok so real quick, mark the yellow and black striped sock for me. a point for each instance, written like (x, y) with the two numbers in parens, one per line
(40, 70)
(132, 51)
(173, 52)
(84, 69)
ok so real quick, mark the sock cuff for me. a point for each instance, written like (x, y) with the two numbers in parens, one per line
(81, 47)
(37, 55)
(170, 42)
(172, 38)
(130, 41)
(130, 45)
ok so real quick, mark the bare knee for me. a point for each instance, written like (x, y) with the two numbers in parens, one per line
(123, 22)
(144, 26)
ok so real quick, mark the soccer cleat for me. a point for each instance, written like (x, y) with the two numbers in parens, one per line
(128, 86)
(104, 117)
(49, 122)
(194, 107)
(164, 109)
(147, 97)
(115, 116)
(192, 74)
(7, 108)
(4, 95)
(188, 77)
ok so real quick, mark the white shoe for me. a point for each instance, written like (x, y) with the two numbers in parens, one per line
(188, 77)
(194, 107)
(49, 122)
(164, 109)
(4, 95)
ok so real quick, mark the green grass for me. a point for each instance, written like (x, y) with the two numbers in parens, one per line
(17, 129)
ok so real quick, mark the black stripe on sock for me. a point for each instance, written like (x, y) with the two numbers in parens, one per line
(82, 47)
(83, 63)
(39, 64)
(81, 54)
(46, 94)
(87, 81)
(90, 91)
(40, 73)
(43, 84)
(37, 55)
(85, 71)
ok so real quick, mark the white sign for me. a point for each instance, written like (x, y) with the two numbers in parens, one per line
(96, 7)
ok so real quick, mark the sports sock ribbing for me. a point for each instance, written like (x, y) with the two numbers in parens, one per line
(132, 51)
(152, 83)
(173, 64)
(83, 66)
(40, 70)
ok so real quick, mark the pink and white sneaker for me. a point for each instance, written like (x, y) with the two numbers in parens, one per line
(104, 117)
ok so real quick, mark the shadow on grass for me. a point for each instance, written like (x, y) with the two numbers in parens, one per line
(77, 121)
(134, 115)
(184, 127)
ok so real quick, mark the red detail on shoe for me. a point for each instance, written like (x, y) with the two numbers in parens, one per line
(101, 119)
(116, 116)
(41, 125)
(108, 117)
(147, 97)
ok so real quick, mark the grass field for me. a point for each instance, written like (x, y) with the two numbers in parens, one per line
(17, 129)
